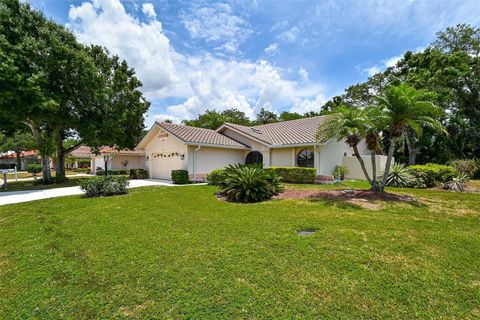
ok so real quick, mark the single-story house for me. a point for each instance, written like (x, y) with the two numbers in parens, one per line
(9, 159)
(118, 159)
(79, 155)
(169, 146)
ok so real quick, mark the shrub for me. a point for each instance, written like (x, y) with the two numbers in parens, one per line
(83, 170)
(294, 174)
(34, 169)
(83, 163)
(457, 183)
(104, 186)
(215, 177)
(467, 167)
(399, 176)
(138, 174)
(242, 183)
(431, 174)
(340, 172)
(180, 177)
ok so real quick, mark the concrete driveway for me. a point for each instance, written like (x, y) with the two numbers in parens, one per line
(32, 195)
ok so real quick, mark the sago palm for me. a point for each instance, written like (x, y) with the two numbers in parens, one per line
(403, 108)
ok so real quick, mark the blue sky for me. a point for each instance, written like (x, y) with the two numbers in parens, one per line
(280, 55)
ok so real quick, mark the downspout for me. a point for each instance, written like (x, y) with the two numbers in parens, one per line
(193, 164)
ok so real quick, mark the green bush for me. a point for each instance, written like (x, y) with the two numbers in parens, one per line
(431, 174)
(180, 177)
(34, 169)
(83, 163)
(294, 174)
(466, 167)
(215, 177)
(104, 186)
(83, 170)
(138, 174)
(242, 183)
(340, 172)
(399, 176)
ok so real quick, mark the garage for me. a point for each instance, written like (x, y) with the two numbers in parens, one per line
(164, 163)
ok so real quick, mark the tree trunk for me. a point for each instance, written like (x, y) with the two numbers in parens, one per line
(60, 163)
(19, 160)
(46, 174)
(362, 164)
(391, 150)
(373, 159)
(412, 155)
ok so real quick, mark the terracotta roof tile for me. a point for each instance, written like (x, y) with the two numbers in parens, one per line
(195, 135)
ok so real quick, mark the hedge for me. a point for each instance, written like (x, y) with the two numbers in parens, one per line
(431, 174)
(295, 174)
(215, 177)
(180, 177)
(138, 174)
(104, 186)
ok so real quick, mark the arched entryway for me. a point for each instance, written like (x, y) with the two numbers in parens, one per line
(254, 157)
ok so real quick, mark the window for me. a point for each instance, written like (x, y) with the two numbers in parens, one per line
(254, 157)
(305, 158)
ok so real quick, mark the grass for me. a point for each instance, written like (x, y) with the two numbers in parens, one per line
(32, 185)
(178, 252)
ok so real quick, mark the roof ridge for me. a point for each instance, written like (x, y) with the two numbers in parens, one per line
(185, 126)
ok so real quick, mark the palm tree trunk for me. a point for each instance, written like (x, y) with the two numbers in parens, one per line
(391, 149)
(362, 164)
(373, 159)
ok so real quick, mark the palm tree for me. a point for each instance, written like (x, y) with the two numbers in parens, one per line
(405, 108)
(349, 123)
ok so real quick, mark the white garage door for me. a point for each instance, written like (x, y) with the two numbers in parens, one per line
(162, 167)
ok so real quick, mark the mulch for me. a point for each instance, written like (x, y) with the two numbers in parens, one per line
(343, 195)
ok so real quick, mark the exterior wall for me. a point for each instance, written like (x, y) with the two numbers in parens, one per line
(356, 172)
(169, 144)
(283, 157)
(331, 155)
(134, 162)
(207, 159)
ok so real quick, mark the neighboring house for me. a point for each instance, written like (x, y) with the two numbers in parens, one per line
(293, 143)
(26, 157)
(118, 159)
(79, 155)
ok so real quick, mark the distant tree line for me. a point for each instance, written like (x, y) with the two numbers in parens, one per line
(450, 68)
(212, 119)
(62, 92)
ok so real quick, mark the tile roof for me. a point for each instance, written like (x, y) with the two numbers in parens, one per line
(193, 135)
(82, 152)
(13, 155)
(300, 131)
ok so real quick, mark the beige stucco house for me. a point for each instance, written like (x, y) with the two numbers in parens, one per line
(293, 143)
(118, 159)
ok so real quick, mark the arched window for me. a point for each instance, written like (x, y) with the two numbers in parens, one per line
(254, 157)
(305, 158)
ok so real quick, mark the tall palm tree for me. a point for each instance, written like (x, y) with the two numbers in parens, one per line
(347, 123)
(405, 108)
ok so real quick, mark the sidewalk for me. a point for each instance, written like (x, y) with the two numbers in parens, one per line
(32, 195)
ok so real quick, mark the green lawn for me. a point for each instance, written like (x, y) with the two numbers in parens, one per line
(31, 185)
(178, 252)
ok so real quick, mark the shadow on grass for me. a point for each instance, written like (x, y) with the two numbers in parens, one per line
(337, 203)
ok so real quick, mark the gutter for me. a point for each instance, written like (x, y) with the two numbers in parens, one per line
(193, 160)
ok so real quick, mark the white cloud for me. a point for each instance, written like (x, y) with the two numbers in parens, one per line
(303, 74)
(149, 10)
(290, 35)
(391, 62)
(306, 105)
(372, 70)
(217, 24)
(202, 81)
(272, 48)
